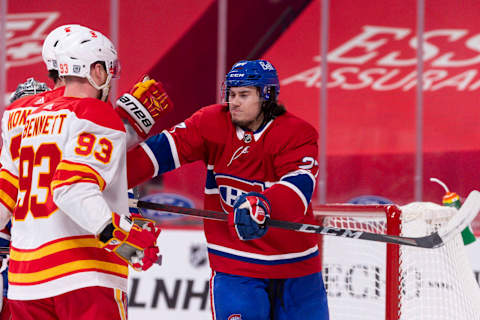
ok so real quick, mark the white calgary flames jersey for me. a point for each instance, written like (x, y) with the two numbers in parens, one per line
(13, 122)
(71, 176)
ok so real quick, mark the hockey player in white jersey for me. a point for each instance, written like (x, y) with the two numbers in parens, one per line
(71, 242)
(27, 97)
(147, 99)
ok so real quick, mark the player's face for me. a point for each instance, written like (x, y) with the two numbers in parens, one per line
(245, 107)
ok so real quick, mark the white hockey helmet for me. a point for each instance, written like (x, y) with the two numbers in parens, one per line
(77, 51)
(51, 41)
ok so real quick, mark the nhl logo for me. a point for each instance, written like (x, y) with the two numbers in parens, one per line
(198, 255)
(76, 68)
(247, 138)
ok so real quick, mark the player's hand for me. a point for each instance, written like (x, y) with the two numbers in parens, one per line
(28, 88)
(144, 105)
(249, 216)
(132, 240)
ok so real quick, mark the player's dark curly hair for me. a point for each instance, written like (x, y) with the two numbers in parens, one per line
(271, 107)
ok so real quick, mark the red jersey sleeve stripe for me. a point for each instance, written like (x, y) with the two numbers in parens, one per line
(62, 257)
(8, 176)
(55, 246)
(67, 268)
(70, 173)
(8, 189)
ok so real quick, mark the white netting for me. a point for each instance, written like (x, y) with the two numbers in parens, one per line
(434, 283)
(437, 283)
(354, 270)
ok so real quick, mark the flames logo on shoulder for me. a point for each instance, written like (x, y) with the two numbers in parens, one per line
(25, 35)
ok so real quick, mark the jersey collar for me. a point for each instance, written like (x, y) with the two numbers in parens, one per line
(256, 135)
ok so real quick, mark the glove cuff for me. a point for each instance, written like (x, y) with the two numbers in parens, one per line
(137, 115)
(113, 238)
(117, 238)
(115, 233)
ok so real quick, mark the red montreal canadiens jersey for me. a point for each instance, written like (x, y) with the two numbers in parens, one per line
(13, 122)
(279, 160)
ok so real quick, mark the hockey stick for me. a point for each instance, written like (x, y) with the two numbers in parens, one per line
(457, 223)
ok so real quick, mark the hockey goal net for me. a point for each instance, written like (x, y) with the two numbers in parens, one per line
(372, 280)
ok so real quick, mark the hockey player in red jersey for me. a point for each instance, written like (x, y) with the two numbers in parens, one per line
(71, 241)
(261, 162)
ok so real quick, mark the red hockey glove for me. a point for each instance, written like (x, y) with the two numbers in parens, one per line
(144, 105)
(134, 241)
(249, 216)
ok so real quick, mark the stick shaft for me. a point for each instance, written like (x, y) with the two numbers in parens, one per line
(430, 241)
(207, 214)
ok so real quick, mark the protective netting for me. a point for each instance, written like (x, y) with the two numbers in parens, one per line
(432, 283)
(437, 283)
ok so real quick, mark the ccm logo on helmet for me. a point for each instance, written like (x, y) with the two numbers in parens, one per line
(135, 111)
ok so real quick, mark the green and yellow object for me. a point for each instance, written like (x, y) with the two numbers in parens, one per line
(451, 199)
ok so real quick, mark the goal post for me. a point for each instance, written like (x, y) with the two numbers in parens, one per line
(371, 280)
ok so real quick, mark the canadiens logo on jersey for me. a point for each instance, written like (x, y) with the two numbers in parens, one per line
(235, 317)
(231, 187)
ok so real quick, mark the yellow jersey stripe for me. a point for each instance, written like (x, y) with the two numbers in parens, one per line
(120, 304)
(72, 180)
(53, 248)
(67, 268)
(67, 166)
(9, 177)
(8, 200)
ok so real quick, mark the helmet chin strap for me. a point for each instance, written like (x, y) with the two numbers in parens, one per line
(105, 88)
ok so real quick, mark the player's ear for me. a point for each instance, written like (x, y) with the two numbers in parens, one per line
(98, 73)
